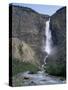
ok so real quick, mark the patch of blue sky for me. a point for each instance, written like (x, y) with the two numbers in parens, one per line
(43, 9)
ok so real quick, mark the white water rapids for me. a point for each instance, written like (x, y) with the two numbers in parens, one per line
(41, 77)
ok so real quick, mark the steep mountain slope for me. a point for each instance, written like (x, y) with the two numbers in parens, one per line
(28, 29)
(56, 64)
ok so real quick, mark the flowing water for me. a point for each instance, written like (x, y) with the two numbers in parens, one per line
(41, 77)
(48, 42)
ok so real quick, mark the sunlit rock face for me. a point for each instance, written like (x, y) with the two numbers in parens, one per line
(29, 26)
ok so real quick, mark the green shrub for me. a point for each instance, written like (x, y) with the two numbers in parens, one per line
(56, 69)
(18, 67)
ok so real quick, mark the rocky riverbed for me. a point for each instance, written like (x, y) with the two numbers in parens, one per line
(40, 78)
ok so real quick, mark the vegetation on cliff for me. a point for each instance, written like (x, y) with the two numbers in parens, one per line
(28, 33)
(20, 67)
(56, 64)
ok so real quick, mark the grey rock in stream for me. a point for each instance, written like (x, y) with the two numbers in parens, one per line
(40, 78)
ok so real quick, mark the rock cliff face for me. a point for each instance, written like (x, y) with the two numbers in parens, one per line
(28, 29)
(58, 28)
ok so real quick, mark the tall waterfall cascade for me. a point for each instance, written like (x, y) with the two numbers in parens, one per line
(48, 41)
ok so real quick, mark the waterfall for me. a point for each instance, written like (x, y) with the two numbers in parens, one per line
(47, 41)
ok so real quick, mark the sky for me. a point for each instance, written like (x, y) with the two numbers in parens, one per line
(43, 9)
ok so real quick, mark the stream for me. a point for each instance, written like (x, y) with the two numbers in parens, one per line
(40, 78)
